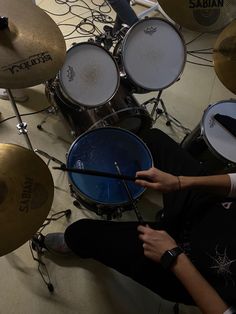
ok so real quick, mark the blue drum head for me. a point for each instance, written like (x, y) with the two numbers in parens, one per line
(98, 150)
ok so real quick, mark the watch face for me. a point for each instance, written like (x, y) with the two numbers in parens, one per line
(169, 257)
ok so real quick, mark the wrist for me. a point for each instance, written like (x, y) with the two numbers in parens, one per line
(186, 182)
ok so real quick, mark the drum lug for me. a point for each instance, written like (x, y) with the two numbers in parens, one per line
(105, 123)
(73, 134)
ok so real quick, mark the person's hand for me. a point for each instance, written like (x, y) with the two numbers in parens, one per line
(161, 181)
(155, 242)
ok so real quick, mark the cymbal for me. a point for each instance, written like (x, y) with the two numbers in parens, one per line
(32, 47)
(200, 15)
(26, 195)
(224, 57)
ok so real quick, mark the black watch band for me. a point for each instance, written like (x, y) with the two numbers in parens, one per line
(169, 257)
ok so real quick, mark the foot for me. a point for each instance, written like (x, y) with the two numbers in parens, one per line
(55, 243)
(18, 94)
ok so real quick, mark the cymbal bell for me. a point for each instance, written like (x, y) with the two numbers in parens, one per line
(32, 47)
(26, 195)
(200, 15)
(224, 57)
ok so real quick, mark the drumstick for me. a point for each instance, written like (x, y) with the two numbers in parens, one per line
(101, 174)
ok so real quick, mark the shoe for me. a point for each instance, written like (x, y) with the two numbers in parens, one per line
(55, 243)
(18, 94)
(108, 30)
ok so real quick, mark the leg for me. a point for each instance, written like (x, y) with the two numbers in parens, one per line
(116, 245)
(125, 14)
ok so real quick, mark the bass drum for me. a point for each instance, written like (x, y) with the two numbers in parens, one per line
(210, 142)
(122, 111)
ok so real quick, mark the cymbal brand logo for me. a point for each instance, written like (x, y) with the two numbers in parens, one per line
(205, 4)
(26, 64)
(26, 195)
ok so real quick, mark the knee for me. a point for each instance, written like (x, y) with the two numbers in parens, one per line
(152, 136)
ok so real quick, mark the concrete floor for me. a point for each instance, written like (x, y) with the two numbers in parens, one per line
(87, 286)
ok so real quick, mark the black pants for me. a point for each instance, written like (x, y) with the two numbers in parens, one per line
(124, 13)
(116, 244)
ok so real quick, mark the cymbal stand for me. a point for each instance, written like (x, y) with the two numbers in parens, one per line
(21, 126)
(36, 244)
(156, 112)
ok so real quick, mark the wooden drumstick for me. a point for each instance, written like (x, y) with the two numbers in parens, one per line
(101, 174)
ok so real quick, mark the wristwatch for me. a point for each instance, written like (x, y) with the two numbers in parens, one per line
(169, 257)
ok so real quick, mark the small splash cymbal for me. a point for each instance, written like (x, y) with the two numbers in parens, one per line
(32, 47)
(224, 57)
(200, 15)
(26, 195)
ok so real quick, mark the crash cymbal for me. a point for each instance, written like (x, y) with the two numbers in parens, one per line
(26, 195)
(32, 47)
(224, 57)
(200, 15)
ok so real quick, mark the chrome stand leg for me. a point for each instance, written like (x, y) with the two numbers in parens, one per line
(21, 126)
(156, 112)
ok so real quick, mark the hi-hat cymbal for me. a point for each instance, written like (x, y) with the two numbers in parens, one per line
(32, 47)
(224, 57)
(26, 195)
(200, 15)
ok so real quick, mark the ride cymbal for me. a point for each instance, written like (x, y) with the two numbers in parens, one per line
(224, 57)
(26, 195)
(32, 47)
(200, 15)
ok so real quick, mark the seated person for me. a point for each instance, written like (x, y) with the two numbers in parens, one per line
(187, 256)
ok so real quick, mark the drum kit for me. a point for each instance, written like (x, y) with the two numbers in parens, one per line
(93, 90)
(107, 82)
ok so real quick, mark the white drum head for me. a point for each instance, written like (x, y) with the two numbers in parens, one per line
(217, 137)
(153, 54)
(89, 76)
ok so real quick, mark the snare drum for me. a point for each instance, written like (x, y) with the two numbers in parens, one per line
(89, 76)
(98, 150)
(210, 142)
(122, 110)
(152, 54)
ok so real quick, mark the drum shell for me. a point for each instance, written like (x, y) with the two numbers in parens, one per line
(122, 111)
(195, 144)
(200, 144)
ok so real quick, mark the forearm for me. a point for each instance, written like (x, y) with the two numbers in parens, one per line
(205, 297)
(216, 183)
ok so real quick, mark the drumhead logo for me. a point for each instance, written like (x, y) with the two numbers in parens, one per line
(205, 4)
(150, 30)
(70, 73)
